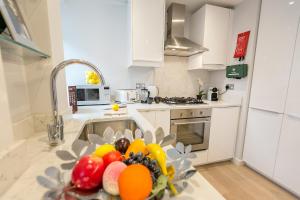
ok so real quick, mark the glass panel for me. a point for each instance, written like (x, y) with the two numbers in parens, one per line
(26, 52)
(191, 133)
(80, 95)
(92, 94)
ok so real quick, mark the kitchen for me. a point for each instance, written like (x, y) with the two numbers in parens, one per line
(244, 133)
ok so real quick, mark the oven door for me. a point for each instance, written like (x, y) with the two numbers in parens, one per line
(192, 131)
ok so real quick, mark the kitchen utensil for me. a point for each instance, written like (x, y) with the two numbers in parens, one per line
(153, 91)
(213, 94)
(144, 95)
(149, 100)
(126, 95)
(157, 99)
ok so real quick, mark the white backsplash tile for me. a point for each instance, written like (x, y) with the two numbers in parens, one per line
(173, 78)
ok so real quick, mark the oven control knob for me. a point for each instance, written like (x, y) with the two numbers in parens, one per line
(201, 113)
(181, 114)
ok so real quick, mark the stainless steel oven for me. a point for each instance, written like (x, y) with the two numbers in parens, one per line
(192, 126)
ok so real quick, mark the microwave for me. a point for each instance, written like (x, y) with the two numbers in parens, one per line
(92, 95)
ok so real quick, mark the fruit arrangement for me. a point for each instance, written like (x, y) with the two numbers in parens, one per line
(130, 169)
(131, 172)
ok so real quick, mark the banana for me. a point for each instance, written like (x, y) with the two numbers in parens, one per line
(157, 153)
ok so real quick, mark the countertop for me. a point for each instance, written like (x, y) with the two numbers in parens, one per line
(40, 156)
(162, 106)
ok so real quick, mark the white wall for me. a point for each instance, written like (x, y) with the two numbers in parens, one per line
(98, 32)
(24, 83)
(246, 17)
(6, 132)
(100, 35)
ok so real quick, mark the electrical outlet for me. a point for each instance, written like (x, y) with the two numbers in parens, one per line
(229, 86)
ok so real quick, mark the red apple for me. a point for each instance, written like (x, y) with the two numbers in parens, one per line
(87, 173)
(111, 157)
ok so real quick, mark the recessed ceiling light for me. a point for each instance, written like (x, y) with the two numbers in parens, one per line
(292, 2)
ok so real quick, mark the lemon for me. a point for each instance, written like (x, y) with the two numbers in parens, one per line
(115, 107)
(104, 149)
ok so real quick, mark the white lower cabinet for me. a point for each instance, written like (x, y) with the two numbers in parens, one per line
(223, 132)
(158, 118)
(150, 116)
(287, 168)
(162, 119)
(261, 142)
(201, 158)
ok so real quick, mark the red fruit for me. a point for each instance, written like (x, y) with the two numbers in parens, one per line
(112, 157)
(87, 173)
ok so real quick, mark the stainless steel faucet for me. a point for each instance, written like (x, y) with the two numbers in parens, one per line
(56, 129)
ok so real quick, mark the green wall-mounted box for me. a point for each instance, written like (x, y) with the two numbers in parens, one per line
(237, 71)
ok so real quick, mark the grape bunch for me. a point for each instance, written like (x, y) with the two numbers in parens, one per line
(152, 165)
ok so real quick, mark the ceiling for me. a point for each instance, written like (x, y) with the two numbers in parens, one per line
(194, 5)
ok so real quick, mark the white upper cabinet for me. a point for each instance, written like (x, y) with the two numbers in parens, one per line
(210, 27)
(293, 100)
(261, 142)
(274, 54)
(147, 19)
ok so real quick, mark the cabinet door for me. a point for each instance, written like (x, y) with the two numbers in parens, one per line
(292, 105)
(210, 27)
(261, 142)
(148, 30)
(162, 119)
(287, 169)
(216, 34)
(150, 116)
(274, 53)
(223, 131)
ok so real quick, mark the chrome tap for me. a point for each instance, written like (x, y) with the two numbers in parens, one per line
(56, 129)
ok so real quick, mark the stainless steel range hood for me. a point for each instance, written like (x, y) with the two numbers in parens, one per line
(177, 44)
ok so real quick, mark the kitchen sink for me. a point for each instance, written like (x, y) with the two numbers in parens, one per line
(99, 127)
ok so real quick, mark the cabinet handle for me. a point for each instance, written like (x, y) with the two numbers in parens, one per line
(186, 123)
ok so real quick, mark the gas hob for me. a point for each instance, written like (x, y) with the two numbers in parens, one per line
(181, 100)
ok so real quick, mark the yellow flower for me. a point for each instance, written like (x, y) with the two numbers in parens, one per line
(92, 77)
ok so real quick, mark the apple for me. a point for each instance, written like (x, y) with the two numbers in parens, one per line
(112, 157)
(87, 173)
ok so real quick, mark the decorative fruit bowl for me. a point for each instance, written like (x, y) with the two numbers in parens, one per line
(120, 166)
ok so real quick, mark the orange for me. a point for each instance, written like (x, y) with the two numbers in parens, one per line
(135, 183)
(136, 146)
